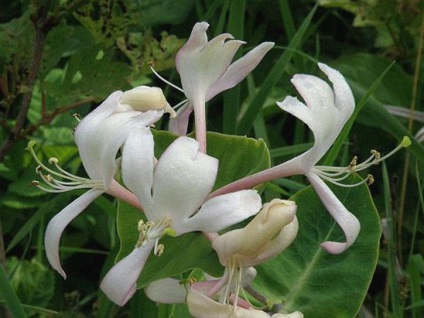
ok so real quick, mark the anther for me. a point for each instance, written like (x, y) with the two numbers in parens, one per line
(159, 250)
(35, 183)
(353, 163)
(77, 116)
(376, 155)
(53, 160)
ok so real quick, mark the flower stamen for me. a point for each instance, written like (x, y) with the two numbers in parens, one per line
(72, 182)
(337, 174)
(151, 231)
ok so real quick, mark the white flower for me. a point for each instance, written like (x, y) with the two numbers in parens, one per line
(326, 110)
(98, 138)
(205, 69)
(174, 195)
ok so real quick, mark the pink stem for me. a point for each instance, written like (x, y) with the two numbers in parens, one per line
(288, 168)
(200, 123)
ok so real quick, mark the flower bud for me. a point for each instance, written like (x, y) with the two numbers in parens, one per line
(144, 98)
(268, 234)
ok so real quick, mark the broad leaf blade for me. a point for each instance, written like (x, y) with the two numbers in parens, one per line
(307, 278)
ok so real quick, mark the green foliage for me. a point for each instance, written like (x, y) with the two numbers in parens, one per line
(394, 20)
(32, 281)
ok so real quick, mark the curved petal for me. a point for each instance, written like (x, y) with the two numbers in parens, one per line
(326, 110)
(342, 93)
(237, 71)
(201, 63)
(138, 164)
(201, 306)
(166, 291)
(120, 282)
(197, 39)
(345, 219)
(223, 211)
(56, 226)
(88, 125)
(100, 135)
(182, 181)
(280, 242)
(113, 137)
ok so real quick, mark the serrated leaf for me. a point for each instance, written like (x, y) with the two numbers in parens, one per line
(307, 278)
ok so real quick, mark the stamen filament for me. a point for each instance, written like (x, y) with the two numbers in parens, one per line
(336, 174)
(164, 80)
(70, 182)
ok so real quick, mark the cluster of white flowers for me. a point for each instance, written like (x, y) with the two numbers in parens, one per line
(174, 191)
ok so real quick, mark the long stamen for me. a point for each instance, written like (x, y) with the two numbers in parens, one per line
(337, 174)
(151, 65)
(69, 181)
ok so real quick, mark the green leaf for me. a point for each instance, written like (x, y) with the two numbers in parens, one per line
(33, 282)
(307, 278)
(9, 296)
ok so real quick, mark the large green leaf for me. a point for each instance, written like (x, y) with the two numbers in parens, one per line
(307, 278)
(238, 157)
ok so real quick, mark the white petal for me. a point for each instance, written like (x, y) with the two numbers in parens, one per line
(343, 94)
(182, 181)
(237, 71)
(120, 282)
(89, 125)
(138, 166)
(166, 291)
(201, 63)
(58, 223)
(345, 219)
(100, 135)
(223, 211)
(326, 110)
(201, 306)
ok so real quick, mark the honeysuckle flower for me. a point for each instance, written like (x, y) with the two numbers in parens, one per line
(271, 231)
(174, 195)
(326, 110)
(98, 137)
(205, 69)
